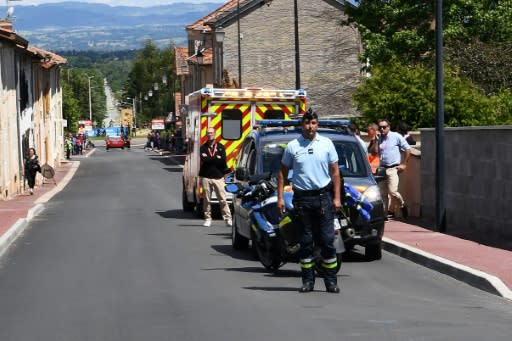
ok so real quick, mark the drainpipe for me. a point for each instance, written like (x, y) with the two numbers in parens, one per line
(18, 123)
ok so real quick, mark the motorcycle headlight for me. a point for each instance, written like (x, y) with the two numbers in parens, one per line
(372, 193)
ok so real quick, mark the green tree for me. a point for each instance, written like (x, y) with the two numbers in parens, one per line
(478, 41)
(401, 93)
(76, 96)
(152, 66)
(406, 28)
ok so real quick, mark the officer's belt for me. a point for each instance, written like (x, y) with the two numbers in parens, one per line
(313, 192)
(392, 166)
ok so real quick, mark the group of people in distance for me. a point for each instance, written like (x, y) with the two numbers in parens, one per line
(316, 181)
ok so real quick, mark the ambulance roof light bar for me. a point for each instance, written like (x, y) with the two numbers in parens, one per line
(253, 93)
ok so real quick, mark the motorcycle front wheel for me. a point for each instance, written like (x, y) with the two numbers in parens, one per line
(268, 251)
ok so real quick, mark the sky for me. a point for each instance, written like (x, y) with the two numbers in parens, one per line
(138, 3)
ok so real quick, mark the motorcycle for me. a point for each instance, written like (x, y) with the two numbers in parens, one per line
(275, 236)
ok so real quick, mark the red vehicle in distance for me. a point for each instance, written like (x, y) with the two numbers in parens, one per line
(114, 142)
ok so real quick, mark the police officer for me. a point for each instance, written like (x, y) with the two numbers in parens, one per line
(316, 186)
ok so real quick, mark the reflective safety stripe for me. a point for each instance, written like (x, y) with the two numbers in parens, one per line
(286, 220)
(330, 260)
(330, 265)
(307, 265)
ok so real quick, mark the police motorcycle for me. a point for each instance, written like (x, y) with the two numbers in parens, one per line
(275, 236)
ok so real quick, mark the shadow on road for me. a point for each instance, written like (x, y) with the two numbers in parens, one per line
(225, 235)
(236, 254)
(354, 255)
(176, 214)
(176, 169)
(272, 288)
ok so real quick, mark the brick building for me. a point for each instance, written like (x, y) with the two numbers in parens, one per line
(328, 52)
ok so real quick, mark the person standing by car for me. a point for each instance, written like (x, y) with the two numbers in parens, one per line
(316, 195)
(373, 146)
(212, 171)
(394, 153)
(32, 166)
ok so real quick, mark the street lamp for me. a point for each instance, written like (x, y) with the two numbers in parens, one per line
(134, 111)
(90, 101)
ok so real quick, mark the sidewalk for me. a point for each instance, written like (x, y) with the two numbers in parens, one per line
(485, 267)
(15, 214)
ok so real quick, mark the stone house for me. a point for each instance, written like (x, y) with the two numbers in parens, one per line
(30, 108)
(329, 69)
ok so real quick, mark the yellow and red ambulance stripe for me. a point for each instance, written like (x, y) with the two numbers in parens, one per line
(231, 146)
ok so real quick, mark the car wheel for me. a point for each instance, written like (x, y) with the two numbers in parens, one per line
(373, 251)
(238, 241)
(187, 206)
(269, 252)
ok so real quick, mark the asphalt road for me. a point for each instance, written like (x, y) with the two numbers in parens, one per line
(114, 258)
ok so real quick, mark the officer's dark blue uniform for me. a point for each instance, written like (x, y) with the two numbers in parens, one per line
(316, 187)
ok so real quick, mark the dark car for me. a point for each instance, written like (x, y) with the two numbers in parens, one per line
(261, 152)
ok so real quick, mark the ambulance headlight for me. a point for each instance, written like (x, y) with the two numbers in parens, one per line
(372, 193)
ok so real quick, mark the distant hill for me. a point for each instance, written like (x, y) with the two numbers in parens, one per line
(88, 26)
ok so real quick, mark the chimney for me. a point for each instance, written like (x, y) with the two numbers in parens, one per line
(5, 25)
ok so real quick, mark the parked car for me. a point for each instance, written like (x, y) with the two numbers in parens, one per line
(114, 142)
(262, 151)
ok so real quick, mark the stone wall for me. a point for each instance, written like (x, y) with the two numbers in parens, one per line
(478, 186)
(330, 70)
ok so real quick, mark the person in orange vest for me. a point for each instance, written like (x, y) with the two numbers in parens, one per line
(373, 146)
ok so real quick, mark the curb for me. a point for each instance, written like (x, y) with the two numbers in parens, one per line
(8, 238)
(463, 273)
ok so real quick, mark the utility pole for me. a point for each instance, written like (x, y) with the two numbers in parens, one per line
(440, 168)
(239, 47)
(297, 50)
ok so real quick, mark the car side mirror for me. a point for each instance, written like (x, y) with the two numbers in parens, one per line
(380, 174)
(233, 188)
(242, 173)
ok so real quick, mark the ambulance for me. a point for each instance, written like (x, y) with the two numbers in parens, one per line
(233, 113)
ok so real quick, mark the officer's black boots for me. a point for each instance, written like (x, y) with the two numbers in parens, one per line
(307, 287)
(332, 287)
(331, 281)
(308, 280)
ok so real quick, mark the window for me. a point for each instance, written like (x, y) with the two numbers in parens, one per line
(242, 155)
(272, 155)
(251, 164)
(350, 159)
(272, 114)
(231, 124)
